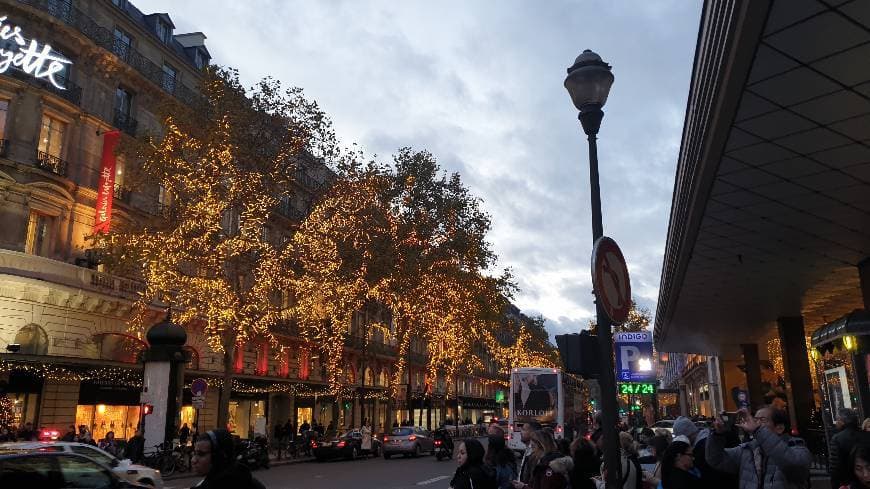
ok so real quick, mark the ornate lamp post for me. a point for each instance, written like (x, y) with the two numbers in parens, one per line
(588, 82)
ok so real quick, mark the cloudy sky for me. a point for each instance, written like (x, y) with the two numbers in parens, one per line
(479, 84)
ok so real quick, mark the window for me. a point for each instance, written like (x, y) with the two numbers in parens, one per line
(29, 472)
(163, 30)
(123, 102)
(82, 472)
(120, 163)
(4, 110)
(33, 340)
(98, 455)
(120, 3)
(51, 136)
(199, 59)
(39, 231)
(170, 75)
(122, 44)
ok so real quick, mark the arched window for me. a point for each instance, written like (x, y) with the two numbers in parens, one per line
(384, 378)
(193, 364)
(33, 340)
(369, 378)
(119, 347)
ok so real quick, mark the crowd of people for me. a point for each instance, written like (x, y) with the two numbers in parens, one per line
(748, 452)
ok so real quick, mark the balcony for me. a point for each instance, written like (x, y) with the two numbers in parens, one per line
(288, 210)
(51, 163)
(122, 193)
(4, 147)
(307, 181)
(125, 122)
(104, 38)
(70, 91)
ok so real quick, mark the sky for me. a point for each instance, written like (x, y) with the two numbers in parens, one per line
(480, 85)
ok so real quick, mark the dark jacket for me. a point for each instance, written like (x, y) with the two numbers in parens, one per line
(842, 444)
(710, 477)
(681, 479)
(236, 476)
(473, 477)
(551, 472)
(135, 448)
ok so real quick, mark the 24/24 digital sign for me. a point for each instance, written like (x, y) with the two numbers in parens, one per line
(637, 388)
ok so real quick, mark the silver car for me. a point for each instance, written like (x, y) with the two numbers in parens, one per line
(123, 468)
(407, 441)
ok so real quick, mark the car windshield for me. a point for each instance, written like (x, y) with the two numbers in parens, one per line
(402, 431)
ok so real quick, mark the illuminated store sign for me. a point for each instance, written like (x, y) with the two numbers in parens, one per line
(29, 58)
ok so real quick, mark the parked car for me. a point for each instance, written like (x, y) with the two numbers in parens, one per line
(408, 441)
(56, 470)
(348, 445)
(664, 424)
(123, 468)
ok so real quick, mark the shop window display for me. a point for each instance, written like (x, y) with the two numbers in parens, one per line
(102, 418)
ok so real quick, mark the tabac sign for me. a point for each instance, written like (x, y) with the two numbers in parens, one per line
(16, 52)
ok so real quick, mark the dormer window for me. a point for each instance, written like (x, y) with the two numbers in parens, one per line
(199, 59)
(164, 31)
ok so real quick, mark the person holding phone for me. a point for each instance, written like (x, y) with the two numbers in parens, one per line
(772, 460)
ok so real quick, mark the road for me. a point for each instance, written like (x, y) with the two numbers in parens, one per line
(374, 473)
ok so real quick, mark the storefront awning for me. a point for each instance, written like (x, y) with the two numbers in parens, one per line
(855, 323)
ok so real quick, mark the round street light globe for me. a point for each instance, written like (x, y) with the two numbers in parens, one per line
(588, 81)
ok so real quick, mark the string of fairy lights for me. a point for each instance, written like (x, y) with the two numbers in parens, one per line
(57, 373)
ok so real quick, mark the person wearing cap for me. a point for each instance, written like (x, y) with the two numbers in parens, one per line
(214, 458)
(685, 429)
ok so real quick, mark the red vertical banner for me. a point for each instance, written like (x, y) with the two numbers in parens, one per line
(106, 185)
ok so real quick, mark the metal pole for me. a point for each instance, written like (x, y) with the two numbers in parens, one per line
(591, 121)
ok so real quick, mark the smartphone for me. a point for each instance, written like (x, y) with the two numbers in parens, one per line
(729, 419)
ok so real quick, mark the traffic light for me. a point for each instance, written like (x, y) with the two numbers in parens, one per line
(147, 409)
(579, 354)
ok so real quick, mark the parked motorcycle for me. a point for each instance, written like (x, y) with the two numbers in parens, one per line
(443, 444)
(254, 453)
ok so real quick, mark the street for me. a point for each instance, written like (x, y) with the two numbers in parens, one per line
(396, 473)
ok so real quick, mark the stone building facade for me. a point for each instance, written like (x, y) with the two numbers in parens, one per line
(75, 362)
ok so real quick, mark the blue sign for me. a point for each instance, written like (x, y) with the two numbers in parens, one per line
(634, 357)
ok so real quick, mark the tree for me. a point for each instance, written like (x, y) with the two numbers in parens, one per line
(638, 320)
(223, 167)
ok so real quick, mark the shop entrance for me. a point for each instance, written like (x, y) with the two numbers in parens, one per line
(304, 414)
(247, 417)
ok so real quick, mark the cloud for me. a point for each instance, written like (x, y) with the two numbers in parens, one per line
(479, 84)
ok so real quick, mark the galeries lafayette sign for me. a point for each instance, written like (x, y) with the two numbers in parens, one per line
(28, 57)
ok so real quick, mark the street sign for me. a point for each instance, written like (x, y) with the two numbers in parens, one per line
(198, 389)
(610, 280)
(634, 356)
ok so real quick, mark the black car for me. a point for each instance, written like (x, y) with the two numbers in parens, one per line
(348, 446)
(57, 470)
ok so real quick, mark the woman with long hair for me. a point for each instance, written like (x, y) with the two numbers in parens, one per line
(586, 464)
(471, 473)
(859, 462)
(502, 460)
(677, 465)
(552, 468)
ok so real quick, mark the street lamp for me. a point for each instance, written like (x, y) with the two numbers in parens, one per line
(588, 82)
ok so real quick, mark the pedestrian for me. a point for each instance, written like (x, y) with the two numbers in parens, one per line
(330, 428)
(6, 435)
(70, 434)
(652, 464)
(632, 474)
(586, 464)
(860, 463)
(136, 447)
(710, 477)
(304, 427)
(28, 433)
(501, 460)
(289, 430)
(842, 444)
(528, 463)
(109, 444)
(772, 460)
(552, 468)
(472, 473)
(183, 434)
(678, 467)
(865, 426)
(366, 432)
(214, 458)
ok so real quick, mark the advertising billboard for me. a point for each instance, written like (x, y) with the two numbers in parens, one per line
(535, 396)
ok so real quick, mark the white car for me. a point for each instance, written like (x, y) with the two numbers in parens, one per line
(123, 468)
(665, 424)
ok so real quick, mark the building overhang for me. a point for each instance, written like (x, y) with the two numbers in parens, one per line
(771, 206)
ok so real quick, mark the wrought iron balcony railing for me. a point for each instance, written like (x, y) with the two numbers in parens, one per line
(103, 37)
(70, 90)
(125, 122)
(122, 193)
(51, 163)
